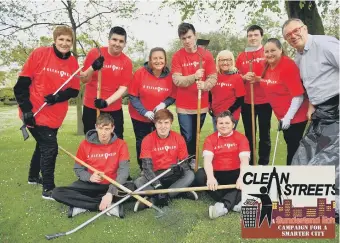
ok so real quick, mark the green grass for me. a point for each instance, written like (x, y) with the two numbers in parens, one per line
(26, 217)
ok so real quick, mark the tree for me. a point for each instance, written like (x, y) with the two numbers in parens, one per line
(82, 16)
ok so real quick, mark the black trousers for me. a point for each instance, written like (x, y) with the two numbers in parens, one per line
(293, 136)
(141, 129)
(45, 154)
(264, 114)
(82, 194)
(90, 117)
(230, 197)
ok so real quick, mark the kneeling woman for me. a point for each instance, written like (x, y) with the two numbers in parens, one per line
(161, 150)
(224, 152)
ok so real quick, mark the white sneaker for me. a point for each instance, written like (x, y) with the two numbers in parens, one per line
(238, 207)
(117, 211)
(217, 210)
(73, 211)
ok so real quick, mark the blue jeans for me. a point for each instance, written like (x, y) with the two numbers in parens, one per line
(214, 123)
(188, 127)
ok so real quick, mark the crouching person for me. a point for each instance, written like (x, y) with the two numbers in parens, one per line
(224, 152)
(161, 150)
(103, 150)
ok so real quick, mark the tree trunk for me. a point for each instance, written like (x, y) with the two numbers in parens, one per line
(308, 14)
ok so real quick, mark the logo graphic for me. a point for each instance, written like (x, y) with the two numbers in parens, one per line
(52, 70)
(288, 202)
(103, 155)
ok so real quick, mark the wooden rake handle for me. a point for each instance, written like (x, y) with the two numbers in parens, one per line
(99, 88)
(127, 190)
(253, 134)
(185, 189)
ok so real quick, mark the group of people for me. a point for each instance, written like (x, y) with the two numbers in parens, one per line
(295, 91)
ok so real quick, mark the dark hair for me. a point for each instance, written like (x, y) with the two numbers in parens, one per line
(163, 114)
(119, 31)
(154, 50)
(183, 28)
(255, 27)
(105, 119)
(226, 114)
(278, 45)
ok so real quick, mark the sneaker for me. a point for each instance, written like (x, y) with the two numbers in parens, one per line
(139, 206)
(73, 211)
(47, 194)
(238, 207)
(188, 195)
(192, 164)
(117, 211)
(35, 180)
(217, 210)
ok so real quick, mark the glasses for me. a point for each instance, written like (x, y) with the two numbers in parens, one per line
(296, 31)
(225, 60)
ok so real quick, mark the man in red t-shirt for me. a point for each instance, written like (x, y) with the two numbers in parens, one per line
(44, 72)
(189, 77)
(161, 150)
(116, 76)
(224, 152)
(262, 107)
(107, 153)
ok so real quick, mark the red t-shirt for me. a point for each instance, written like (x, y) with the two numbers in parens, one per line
(281, 84)
(116, 72)
(225, 92)
(164, 152)
(187, 64)
(104, 157)
(48, 72)
(150, 90)
(242, 64)
(226, 150)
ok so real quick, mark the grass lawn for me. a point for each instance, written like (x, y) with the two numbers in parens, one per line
(26, 217)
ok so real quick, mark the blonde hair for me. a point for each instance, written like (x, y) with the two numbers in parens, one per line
(225, 53)
(62, 30)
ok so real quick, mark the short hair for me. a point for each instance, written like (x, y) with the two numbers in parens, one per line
(63, 30)
(154, 50)
(163, 114)
(225, 53)
(226, 114)
(105, 119)
(255, 27)
(287, 22)
(183, 28)
(119, 31)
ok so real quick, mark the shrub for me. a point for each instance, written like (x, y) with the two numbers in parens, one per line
(7, 94)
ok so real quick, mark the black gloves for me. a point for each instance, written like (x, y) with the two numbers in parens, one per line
(29, 118)
(162, 200)
(51, 99)
(98, 63)
(177, 170)
(100, 103)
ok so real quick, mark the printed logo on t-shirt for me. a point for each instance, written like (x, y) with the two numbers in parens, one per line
(258, 60)
(103, 155)
(268, 81)
(192, 64)
(159, 89)
(224, 84)
(61, 73)
(226, 145)
(114, 67)
(166, 148)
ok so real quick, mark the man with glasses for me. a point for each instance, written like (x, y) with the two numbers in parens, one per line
(318, 59)
(262, 108)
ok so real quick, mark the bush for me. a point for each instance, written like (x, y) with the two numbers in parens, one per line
(7, 94)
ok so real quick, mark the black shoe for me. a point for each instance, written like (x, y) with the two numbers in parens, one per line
(47, 194)
(139, 206)
(35, 180)
(188, 195)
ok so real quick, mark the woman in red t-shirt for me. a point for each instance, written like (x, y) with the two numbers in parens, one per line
(283, 87)
(151, 90)
(229, 91)
(224, 152)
